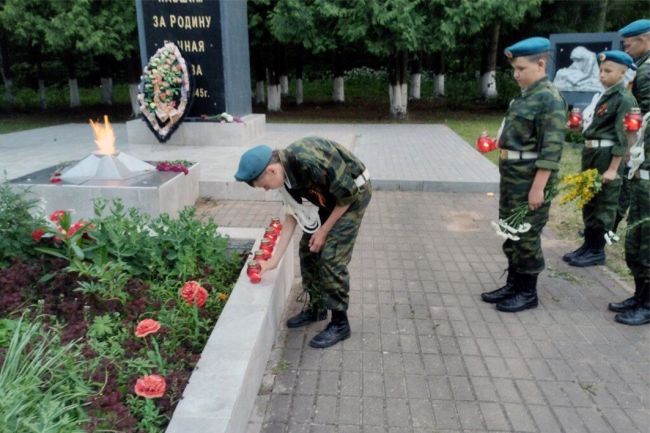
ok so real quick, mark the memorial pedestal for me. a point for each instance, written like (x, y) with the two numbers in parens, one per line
(202, 133)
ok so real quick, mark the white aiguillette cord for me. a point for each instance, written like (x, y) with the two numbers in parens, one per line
(306, 216)
(637, 151)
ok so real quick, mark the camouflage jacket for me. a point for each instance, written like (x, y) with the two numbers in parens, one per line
(321, 171)
(609, 114)
(536, 122)
(641, 83)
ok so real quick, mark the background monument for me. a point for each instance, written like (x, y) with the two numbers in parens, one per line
(213, 38)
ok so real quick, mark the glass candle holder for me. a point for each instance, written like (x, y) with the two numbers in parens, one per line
(575, 119)
(267, 246)
(485, 144)
(261, 255)
(276, 224)
(633, 120)
(271, 235)
(253, 271)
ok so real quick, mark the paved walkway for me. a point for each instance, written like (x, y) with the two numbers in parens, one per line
(426, 355)
(400, 157)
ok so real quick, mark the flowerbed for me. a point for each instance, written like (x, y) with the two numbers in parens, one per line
(122, 306)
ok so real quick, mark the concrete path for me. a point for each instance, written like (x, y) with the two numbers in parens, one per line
(426, 355)
(400, 157)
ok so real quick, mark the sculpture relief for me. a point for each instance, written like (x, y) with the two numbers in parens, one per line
(581, 75)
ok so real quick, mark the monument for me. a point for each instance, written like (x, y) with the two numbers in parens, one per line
(212, 36)
(574, 66)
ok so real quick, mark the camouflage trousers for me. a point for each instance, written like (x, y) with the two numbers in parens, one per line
(624, 195)
(599, 213)
(325, 275)
(637, 240)
(525, 255)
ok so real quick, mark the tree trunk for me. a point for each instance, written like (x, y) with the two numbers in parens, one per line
(72, 82)
(284, 78)
(338, 89)
(601, 18)
(6, 73)
(398, 88)
(107, 90)
(273, 90)
(488, 79)
(259, 71)
(439, 76)
(42, 95)
(133, 69)
(416, 78)
(260, 97)
(299, 75)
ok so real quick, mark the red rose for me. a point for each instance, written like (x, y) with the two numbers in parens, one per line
(56, 215)
(193, 293)
(38, 234)
(152, 386)
(146, 327)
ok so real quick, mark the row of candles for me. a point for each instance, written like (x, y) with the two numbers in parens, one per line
(271, 235)
(632, 121)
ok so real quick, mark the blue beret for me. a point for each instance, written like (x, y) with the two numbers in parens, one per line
(253, 162)
(635, 28)
(618, 57)
(528, 47)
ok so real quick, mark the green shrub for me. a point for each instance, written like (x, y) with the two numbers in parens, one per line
(17, 221)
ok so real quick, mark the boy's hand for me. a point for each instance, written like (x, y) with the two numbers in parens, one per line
(317, 240)
(609, 175)
(535, 198)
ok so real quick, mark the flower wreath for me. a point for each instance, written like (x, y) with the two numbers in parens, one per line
(165, 91)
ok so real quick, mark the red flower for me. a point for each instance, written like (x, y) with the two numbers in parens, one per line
(38, 234)
(146, 327)
(152, 386)
(75, 227)
(55, 216)
(193, 293)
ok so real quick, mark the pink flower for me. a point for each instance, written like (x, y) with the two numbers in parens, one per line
(152, 386)
(55, 216)
(38, 234)
(146, 327)
(193, 293)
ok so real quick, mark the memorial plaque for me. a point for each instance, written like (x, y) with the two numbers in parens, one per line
(213, 38)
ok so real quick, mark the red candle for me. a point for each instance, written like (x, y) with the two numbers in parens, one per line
(575, 119)
(261, 255)
(633, 120)
(485, 144)
(267, 246)
(271, 235)
(253, 270)
(276, 224)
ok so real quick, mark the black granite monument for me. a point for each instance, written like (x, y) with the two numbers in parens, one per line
(213, 38)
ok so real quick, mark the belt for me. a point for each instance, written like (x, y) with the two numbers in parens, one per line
(515, 154)
(592, 144)
(642, 174)
(361, 180)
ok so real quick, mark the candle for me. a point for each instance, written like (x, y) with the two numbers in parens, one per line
(267, 246)
(633, 120)
(485, 144)
(253, 270)
(261, 255)
(575, 119)
(271, 235)
(276, 224)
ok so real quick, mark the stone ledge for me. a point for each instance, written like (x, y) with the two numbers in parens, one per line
(202, 133)
(221, 392)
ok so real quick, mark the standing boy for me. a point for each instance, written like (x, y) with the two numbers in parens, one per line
(605, 147)
(329, 176)
(530, 150)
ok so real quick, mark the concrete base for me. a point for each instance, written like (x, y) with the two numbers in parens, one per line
(221, 392)
(153, 193)
(202, 133)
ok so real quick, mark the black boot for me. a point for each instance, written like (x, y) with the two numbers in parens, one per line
(306, 316)
(337, 330)
(594, 253)
(502, 293)
(573, 254)
(525, 296)
(629, 303)
(641, 314)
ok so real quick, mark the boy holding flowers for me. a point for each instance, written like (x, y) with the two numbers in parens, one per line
(530, 150)
(605, 147)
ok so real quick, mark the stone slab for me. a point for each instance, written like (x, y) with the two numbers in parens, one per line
(221, 392)
(153, 193)
(202, 133)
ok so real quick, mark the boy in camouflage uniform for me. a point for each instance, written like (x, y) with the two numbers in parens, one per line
(636, 41)
(605, 147)
(329, 176)
(530, 150)
(636, 310)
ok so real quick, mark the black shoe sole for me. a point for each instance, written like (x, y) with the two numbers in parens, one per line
(643, 322)
(325, 345)
(527, 306)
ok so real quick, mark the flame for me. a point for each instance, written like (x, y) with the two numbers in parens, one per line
(104, 137)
